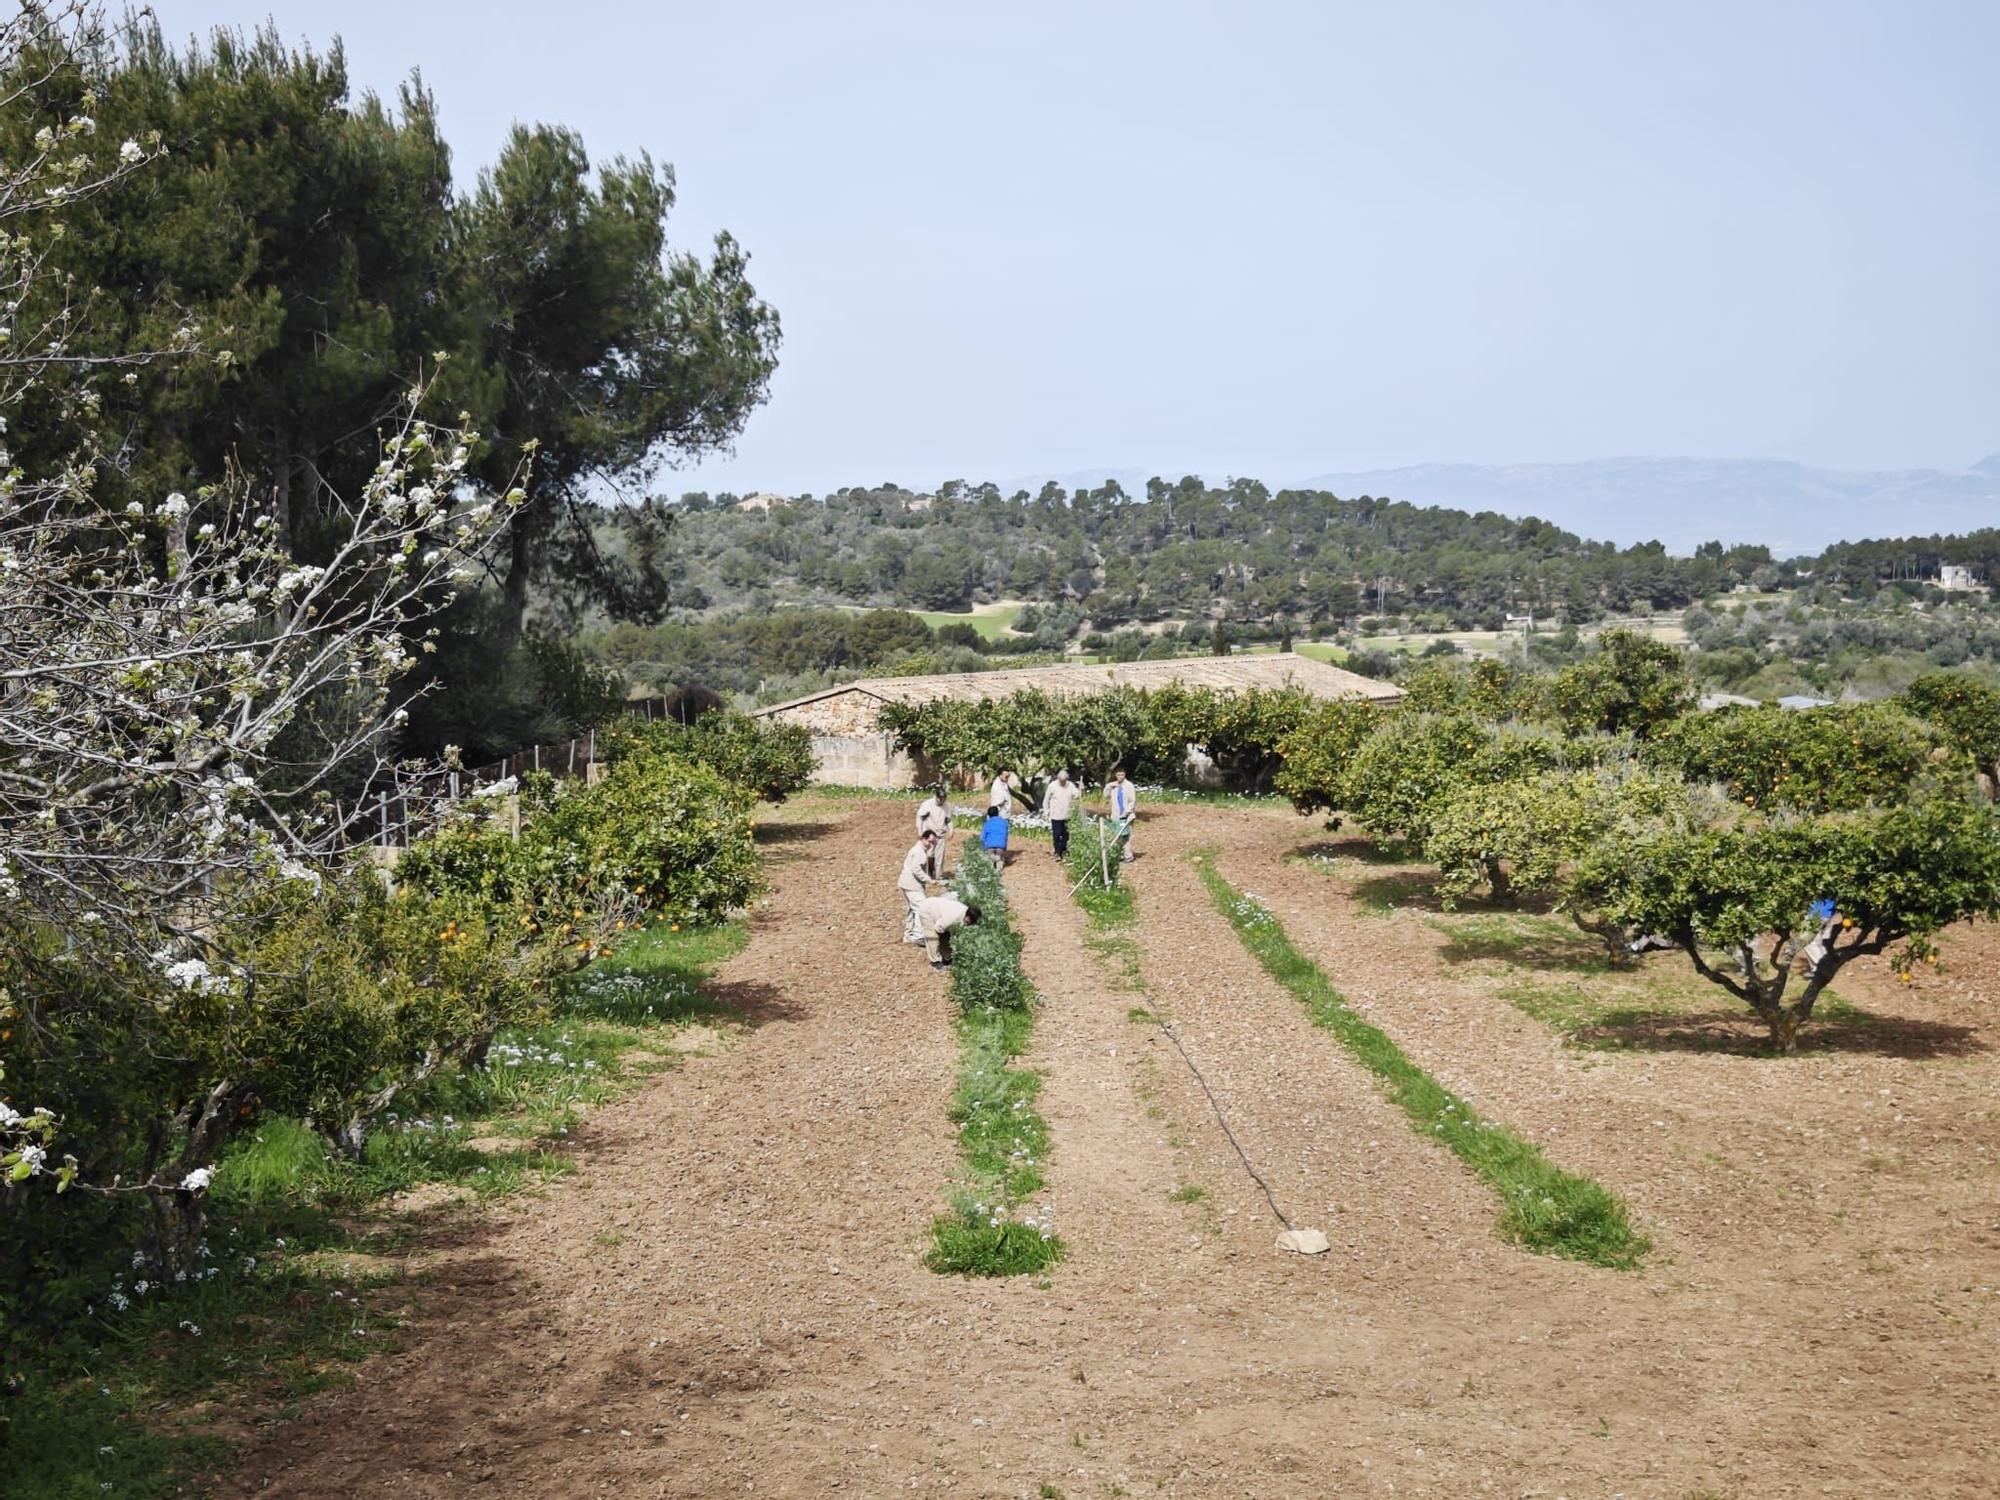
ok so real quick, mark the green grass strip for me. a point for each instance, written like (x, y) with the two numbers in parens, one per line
(1545, 1209)
(1001, 1137)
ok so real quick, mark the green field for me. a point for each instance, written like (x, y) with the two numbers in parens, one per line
(992, 621)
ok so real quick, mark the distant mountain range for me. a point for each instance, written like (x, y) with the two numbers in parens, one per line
(1790, 508)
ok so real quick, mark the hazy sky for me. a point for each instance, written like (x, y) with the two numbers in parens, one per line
(1278, 239)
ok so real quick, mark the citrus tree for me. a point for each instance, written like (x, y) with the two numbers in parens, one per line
(1631, 684)
(1966, 714)
(1842, 756)
(1738, 898)
(1240, 732)
(1401, 777)
(768, 759)
(1318, 753)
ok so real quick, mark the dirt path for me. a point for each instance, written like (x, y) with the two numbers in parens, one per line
(728, 1298)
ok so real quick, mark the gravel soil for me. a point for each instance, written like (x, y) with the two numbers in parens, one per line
(728, 1296)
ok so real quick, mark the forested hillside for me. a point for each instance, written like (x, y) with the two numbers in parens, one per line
(1242, 553)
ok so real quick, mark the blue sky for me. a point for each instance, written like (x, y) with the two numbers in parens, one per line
(1279, 239)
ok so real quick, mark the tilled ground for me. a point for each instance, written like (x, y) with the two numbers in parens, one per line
(729, 1299)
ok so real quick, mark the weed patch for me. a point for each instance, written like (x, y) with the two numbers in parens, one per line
(1002, 1139)
(1544, 1208)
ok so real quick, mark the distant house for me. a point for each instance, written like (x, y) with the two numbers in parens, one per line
(762, 500)
(1728, 700)
(1954, 577)
(1800, 700)
(854, 750)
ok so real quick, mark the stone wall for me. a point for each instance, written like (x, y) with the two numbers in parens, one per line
(844, 714)
(870, 760)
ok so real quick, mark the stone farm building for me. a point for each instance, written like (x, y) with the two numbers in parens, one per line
(854, 750)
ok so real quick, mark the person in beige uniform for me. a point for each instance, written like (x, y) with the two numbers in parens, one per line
(934, 816)
(1059, 802)
(1002, 795)
(919, 870)
(937, 918)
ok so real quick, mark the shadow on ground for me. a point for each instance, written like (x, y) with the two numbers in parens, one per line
(1853, 1032)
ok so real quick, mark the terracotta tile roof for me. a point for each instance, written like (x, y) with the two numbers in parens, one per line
(1276, 670)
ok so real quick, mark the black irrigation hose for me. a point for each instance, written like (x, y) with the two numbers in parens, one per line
(1216, 1105)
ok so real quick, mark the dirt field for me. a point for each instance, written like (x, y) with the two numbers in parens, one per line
(728, 1298)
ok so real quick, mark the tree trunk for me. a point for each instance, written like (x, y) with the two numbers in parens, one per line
(514, 594)
(1784, 1023)
(1497, 882)
(1611, 935)
(178, 1220)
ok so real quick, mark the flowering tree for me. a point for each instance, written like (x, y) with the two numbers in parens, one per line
(178, 697)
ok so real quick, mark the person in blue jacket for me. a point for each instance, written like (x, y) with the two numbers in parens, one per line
(993, 837)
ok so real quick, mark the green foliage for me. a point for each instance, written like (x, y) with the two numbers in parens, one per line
(657, 835)
(1894, 875)
(1239, 731)
(278, 1309)
(1964, 711)
(320, 247)
(352, 986)
(1001, 1137)
(1842, 756)
(1318, 754)
(1032, 732)
(1399, 777)
(1148, 733)
(334, 1000)
(1251, 558)
(1522, 836)
(986, 957)
(491, 697)
(1631, 684)
(768, 759)
(1544, 1208)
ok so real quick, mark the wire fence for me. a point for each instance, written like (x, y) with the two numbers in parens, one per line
(389, 813)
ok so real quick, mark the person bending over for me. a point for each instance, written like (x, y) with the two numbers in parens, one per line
(938, 917)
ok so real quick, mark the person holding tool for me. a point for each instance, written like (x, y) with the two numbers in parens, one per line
(919, 870)
(1124, 799)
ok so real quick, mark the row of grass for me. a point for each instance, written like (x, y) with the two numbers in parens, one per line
(1002, 1139)
(1544, 1209)
(300, 1277)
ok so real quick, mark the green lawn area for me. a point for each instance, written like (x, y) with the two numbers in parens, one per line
(991, 620)
(1317, 650)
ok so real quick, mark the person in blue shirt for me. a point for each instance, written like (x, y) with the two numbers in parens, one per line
(993, 837)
